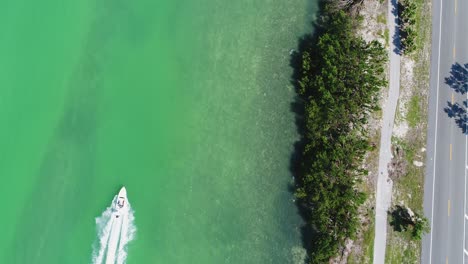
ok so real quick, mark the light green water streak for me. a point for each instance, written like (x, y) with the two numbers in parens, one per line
(186, 103)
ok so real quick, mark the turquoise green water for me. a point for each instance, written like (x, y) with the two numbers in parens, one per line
(186, 103)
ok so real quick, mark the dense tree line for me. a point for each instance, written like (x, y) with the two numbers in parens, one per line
(338, 82)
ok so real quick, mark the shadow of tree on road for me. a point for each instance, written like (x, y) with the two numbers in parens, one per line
(396, 36)
(458, 81)
(459, 113)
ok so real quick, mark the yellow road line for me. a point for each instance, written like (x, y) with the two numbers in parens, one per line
(452, 98)
(454, 51)
(450, 151)
(448, 207)
(455, 7)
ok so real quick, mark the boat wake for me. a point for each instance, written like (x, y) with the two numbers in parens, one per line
(114, 231)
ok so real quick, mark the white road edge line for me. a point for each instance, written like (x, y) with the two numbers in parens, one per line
(464, 196)
(435, 136)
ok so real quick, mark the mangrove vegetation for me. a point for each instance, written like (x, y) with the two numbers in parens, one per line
(338, 77)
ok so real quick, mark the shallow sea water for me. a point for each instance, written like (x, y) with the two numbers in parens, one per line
(186, 103)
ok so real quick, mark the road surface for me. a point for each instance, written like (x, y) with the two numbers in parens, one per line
(445, 182)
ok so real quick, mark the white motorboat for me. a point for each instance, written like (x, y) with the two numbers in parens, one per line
(121, 202)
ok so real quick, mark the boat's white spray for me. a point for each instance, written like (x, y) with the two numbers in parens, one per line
(127, 234)
(113, 235)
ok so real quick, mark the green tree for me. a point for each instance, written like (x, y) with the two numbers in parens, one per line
(421, 226)
(408, 10)
(340, 78)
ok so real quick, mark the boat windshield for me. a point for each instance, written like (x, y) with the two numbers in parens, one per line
(120, 202)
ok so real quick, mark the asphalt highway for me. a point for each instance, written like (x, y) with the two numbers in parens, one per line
(446, 183)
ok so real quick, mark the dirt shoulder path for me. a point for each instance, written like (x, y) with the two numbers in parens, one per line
(384, 183)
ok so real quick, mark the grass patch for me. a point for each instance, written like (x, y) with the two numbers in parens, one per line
(368, 245)
(387, 37)
(385, 34)
(365, 242)
(414, 111)
(360, 19)
(408, 148)
(408, 188)
(411, 186)
(396, 254)
(378, 114)
(423, 26)
(382, 19)
(398, 115)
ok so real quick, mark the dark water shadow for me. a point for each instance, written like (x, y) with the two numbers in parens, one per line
(296, 165)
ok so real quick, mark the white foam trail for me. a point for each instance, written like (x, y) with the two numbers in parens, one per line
(113, 235)
(127, 234)
(103, 226)
(113, 240)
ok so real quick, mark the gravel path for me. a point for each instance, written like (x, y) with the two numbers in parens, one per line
(384, 183)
